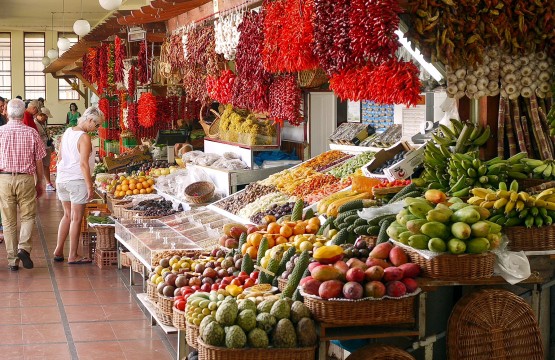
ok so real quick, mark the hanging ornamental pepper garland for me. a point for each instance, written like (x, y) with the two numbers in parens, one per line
(92, 65)
(142, 64)
(131, 84)
(250, 89)
(104, 106)
(102, 63)
(163, 110)
(111, 65)
(285, 100)
(146, 109)
(85, 68)
(119, 56)
(289, 36)
(175, 53)
(122, 97)
(221, 88)
(132, 118)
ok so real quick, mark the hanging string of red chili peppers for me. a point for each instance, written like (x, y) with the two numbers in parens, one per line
(133, 119)
(92, 65)
(285, 100)
(175, 53)
(119, 56)
(142, 64)
(104, 106)
(250, 89)
(221, 88)
(146, 109)
(289, 36)
(111, 65)
(102, 59)
(131, 83)
(122, 97)
(163, 110)
(189, 110)
(85, 67)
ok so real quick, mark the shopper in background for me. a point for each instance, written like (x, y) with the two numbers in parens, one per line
(72, 115)
(32, 110)
(74, 182)
(42, 127)
(21, 153)
(3, 121)
(41, 102)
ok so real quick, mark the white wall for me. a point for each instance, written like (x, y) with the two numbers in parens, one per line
(58, 108)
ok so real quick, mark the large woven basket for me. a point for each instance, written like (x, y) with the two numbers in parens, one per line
(493, 324)
(127, 213)
(151, 291)
(178, 319)
(105, 239)
(211, 130)
(369, 312)
(281, 284)
(192, 334)
(312, 78)
(118, 208)
(166, 319)
(380, 352)
(455, 267)
(522, 238)
(528, 183)
(125, 260)
(199, 192)
(208, 352)
(165, 304)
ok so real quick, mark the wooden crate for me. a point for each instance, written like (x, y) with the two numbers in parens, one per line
(106, 258)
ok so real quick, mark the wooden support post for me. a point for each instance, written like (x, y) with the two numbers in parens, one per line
(78, 90)
(84, 81)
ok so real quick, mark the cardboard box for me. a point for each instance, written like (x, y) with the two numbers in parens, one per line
(401, 170)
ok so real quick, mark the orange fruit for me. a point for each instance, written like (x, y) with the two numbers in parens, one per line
(141, 179)
(314, 221)
(125, 182)
(118, 188)
(252, 251)
(281, 240)
(244, 248)
(150, 181)
(312, 228)
(124, 187)
(129, 192)
(142, 191)
(256, 239)
(132, 186)
(145, 184)
(299, 229)
(274, 228)
(149, 190)
(136, 192)
(285, 231)
(139, 186)
(132, 181)
(271, 241)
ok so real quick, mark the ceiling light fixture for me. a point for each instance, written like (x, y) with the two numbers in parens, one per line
(81, 27)
(110, 4)
(52, 53)
(63, 42)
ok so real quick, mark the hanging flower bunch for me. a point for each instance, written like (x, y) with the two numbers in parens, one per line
(146, 109)
(119, 56)
(111, 65)
(289, 36)
(285, 100)
(132, 119)
(226, 34)
(142, 66)
(92, 65)
(250, 89)
(221, 88)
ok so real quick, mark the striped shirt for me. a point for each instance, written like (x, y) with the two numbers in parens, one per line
(20, 148)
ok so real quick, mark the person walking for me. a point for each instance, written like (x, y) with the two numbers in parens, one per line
(74, 182)
(72, 115)
(21, 154)
(3, 121)
(42, 127)
(29, 117)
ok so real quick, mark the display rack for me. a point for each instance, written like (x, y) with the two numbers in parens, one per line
(245, 152)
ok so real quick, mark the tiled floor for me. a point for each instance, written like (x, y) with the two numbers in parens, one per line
(60, 311)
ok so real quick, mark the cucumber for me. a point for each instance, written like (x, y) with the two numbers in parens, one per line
(377, 219)
(361, 230)
(407, 189)
(343, 226)
(416, 193)
(351, 205)
(382, 236)
(296, 275)
(342, 216)
(373, 230)
(351, 219)
(360, 222)
(386, 219)
(341, 238)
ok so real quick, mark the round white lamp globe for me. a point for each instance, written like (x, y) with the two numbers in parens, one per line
(81, 27)
(63, 43)
(52, 54)
(110, 4)
(46, 61)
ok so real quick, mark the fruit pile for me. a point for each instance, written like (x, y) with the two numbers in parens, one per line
(146, 167)
(278, 323)
(394, 183)
(131, 185)
(432, 223)
(274, 212)
(159, 208)
(385, 272)
(390, 162)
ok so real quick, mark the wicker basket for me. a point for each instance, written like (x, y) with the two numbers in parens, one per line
(522, 238)
(118, 208)
(312, 78)
(380, 352)
(105, 239)
(207, 352)
(199, 192)
(192, 334)
(163, 318)
(137, 266)
(387, 191)
(165, 304)
(127, 213)
(493, 324)
(528, 183)
(455, 267)
(370, 312)
(152, 291)
(141, 218)
(281, 284)
(178, 319)
(125, 260)
(211, 130)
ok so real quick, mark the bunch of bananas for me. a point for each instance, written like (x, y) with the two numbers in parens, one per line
(540, 169)
(509, 207)
(466, 171)
(435, 159)
(464, 136)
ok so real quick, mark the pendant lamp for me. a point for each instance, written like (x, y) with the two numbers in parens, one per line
(81, 27)
(110, 4)
(52, 53)
(46, 61)
(63, 44)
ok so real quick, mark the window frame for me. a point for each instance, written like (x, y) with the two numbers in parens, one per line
(33, 73)
(7, 93)
(63, 86)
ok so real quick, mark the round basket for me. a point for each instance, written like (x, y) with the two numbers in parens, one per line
(137, 266)
(454, 267)
(366, 312)
(522, 238)
(493, 324)
(163, 318)
(151, 291)
(380, 352)
(127, 213)
(125, 259)
(281, 284)
(165, 304)
(118, 208)
(387, 191)
(208, 352)
(312, 78)
(211, 130)
(192, 334)
(199, 192)
(105, 239)
(178, 319)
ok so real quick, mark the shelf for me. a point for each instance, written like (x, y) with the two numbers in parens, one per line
(352, 149)
(143, 298)
(133, 251)
(248, 147)
(430, 284)
(364, 332)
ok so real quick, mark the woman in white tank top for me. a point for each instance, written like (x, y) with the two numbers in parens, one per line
(74, 182)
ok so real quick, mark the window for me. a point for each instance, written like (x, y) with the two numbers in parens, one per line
(5, 66)
(65, 92)
(35, 79)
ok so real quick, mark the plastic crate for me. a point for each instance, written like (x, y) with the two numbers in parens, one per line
(88, 241)
(106, 258)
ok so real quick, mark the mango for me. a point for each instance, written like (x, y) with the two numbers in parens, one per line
(455, 200)
(394, 231)
(493, 227)
(461, 230)
(402, 213)
(420, 209)
(494, 240)
(414, 225)
(480, 229)
(435, 196)
(326, 272)
(381, 251)
(456, 246)
(467, 215)
(442, 206)
(435, 229)
(406, 218)
(413, 200)
(477, 245)
(442, 216)
(397, 256)
(328, 254)
(404, 237)
(458, 206)
(484, 213)
(419, 242)
(437, 245)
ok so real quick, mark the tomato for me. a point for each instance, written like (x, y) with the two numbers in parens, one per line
(186, 296)
(228, 279)
(180, 304)
(236, 282)
(222, 286)
(195, 288)
(249, 283)
(215, 286)
(186, 290)
(243, 278)
(254, 275)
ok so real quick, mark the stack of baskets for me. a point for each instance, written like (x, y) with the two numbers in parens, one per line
(164, 310)
(178, 319)
(106, 254)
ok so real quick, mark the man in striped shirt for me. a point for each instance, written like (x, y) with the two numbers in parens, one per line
(21, 153)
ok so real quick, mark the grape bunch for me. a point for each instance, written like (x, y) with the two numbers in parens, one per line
(275, 210)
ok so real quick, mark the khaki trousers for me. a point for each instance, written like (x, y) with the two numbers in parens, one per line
(17, 191)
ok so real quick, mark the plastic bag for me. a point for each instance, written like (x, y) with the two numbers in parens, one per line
(373, 212)
(231, 156)
(512, 266)
(451, 111)
(191, 156)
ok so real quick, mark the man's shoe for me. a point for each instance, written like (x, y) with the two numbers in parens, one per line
(13, 267)
(25, 258)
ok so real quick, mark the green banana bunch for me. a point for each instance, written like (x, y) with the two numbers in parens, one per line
(463, 136)
(540, 169)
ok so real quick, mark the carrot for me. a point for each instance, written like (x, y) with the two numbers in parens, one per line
(518, 127)
(501, 128)
(510, 133)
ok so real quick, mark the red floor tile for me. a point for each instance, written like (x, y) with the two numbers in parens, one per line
(134, 330)
(11, 335)
(39, 298)
(80, 313)
(122, 312)
(106, 297)
(99, 350)
(43, 333)
(144, 350)
(10, 316)
(79, 297)
(47, 351)
(40, 315)
(73, 284)
(12, 352)
(92, 331)
(32, 285)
